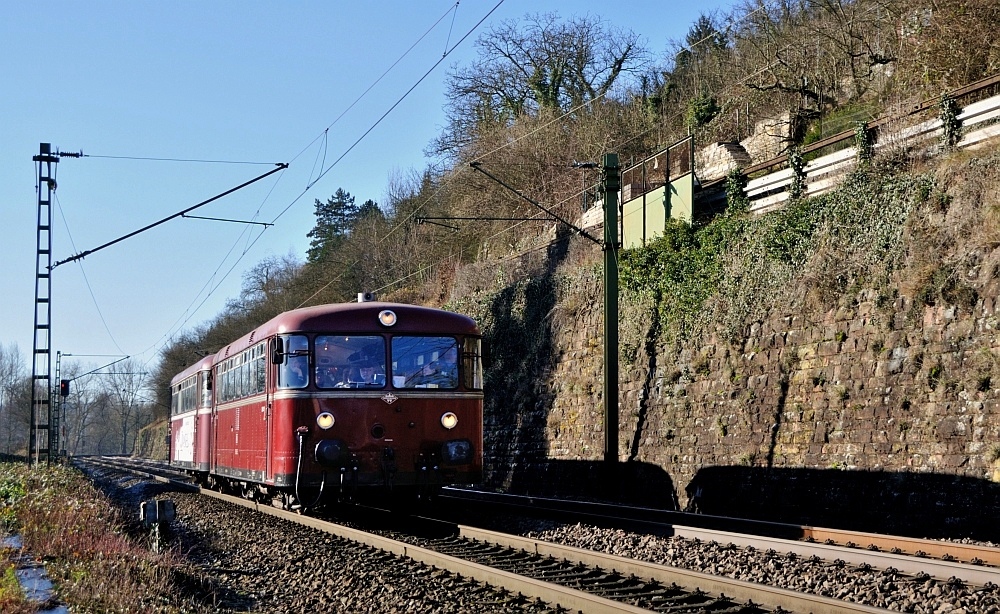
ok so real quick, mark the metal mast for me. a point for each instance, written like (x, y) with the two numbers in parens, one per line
(610, 184)
(39, 444)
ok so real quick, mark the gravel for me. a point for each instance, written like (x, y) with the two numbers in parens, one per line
(888, 588)
(242, 561)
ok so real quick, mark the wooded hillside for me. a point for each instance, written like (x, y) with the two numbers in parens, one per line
(547, 91)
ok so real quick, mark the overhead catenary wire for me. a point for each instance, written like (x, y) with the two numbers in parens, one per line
(252, 240)
(280, 166)
(452, 177)
(86, 280)
(386, 113)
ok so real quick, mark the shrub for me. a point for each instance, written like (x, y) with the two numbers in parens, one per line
(63, 520)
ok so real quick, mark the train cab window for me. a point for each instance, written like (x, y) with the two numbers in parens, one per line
(206, 391)
(293, 372)
(424, 362)
(472, 363)
(350, 361)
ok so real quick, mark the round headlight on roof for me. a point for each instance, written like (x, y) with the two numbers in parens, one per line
(449, 420)
(387, 317)
(325, 420)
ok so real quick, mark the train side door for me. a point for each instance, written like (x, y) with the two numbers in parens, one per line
(274, 350)
(213, 439)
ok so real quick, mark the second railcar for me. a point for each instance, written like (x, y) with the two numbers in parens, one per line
(191, 416)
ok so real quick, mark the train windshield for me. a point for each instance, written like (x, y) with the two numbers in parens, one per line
(350, 361)
(424, 362)
(294, 369)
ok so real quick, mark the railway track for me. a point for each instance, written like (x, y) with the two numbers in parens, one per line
(570, 578)
(977, 564)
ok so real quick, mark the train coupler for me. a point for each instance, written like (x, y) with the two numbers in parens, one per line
(388, 465)
(429, 477)
(349, 479)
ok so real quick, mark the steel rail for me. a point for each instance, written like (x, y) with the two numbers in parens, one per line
(986, 555)
(936, 568)
(881, 551)
(738, 590)
(546, 591)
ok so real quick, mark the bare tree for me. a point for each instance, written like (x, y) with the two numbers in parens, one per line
(15, 399)
(821, 50)
(84, 409)
(948, 43)
(124, 386)
(271, 283)
(542, 63)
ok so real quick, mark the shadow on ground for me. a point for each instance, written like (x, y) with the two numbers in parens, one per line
(903, 503)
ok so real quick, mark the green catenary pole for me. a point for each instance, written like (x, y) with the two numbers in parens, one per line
(610, 184)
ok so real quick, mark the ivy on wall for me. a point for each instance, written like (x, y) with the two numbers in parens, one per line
(951, 125)
(863, 144)
(730, 271)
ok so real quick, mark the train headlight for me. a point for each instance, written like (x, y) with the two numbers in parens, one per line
(387, 317)
(449, 420)
(325, 420)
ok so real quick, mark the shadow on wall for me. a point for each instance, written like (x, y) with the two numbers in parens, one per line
(904, 503)
(517, 398)
(635, 483)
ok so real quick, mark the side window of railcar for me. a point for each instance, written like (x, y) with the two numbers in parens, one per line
(294, 369)
(206, 392)
(350, 361)
(472, 363)
(184, 397)
(259, 368)
(424, 362)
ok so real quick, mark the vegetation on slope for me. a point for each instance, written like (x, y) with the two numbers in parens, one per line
(583, 88)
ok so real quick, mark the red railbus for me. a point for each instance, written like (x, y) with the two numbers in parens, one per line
(320, 402)
(191, 416)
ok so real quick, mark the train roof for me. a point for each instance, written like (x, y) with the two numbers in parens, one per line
(202, 365)
(357, 318)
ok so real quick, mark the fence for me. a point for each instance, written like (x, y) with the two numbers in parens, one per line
(980, 122)
(769, 183)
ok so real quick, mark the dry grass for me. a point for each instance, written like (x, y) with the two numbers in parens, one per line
(12, 599)
(81, 536)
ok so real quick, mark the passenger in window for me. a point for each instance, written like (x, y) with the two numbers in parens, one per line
(372, 374)
(441, 373)
(328, 377)
(295, 373)
(351, 378)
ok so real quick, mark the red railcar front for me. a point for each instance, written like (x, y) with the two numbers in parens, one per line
(325, 400)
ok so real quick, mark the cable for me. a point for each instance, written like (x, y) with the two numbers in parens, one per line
(189, 312)
(407, 93)
(384, 115)
(176, 160)
(182, 319)
(376, 82)
(86, 281)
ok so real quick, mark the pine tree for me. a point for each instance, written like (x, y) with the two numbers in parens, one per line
(334, 219)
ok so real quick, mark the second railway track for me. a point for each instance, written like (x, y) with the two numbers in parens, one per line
(575, 579)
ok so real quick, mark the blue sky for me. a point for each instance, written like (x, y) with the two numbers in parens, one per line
(225, 81)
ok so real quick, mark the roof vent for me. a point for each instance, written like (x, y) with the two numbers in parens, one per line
(366, 297)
